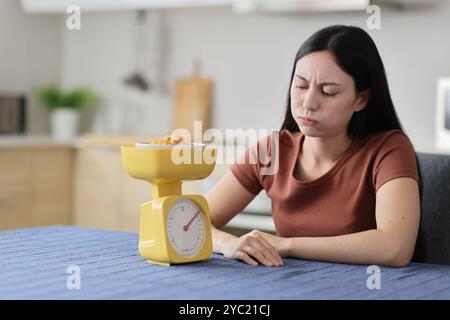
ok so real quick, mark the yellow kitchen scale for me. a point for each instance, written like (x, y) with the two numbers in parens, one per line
(174, 228)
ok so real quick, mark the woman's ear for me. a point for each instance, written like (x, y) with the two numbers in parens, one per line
(362, 99)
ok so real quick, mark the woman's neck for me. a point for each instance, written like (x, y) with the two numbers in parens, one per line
(322, 151)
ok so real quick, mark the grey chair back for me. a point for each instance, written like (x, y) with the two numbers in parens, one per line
(433, 242)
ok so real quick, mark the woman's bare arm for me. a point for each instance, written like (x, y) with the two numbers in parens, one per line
(226, 199)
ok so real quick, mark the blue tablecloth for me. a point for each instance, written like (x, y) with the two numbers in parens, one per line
(34, 265)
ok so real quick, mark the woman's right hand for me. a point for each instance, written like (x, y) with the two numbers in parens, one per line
(252, 248)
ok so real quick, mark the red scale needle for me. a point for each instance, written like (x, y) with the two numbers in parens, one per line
(186, 226)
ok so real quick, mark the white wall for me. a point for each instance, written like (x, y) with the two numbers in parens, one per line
(30, 56)
(249, 58)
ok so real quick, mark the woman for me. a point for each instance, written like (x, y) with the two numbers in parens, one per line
(347, 186)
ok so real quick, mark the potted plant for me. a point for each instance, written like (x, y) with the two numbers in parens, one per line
(65, 109)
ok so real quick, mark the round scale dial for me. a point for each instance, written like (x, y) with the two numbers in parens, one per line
(186, 227)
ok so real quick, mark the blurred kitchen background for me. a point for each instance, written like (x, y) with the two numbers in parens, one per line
(156, 65)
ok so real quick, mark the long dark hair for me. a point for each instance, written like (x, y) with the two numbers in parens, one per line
(356, 54)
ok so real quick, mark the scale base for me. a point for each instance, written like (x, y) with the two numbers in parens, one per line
(165, 264)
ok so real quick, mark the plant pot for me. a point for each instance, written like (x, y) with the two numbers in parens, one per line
(64, 124)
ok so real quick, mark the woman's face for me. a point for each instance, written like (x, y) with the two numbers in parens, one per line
(321, 91)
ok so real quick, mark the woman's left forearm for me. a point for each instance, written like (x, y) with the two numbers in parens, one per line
(367, 247)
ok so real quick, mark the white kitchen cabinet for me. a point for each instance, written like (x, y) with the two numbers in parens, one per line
(60, 6)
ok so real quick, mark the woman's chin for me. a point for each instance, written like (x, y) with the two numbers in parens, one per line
(308, 131)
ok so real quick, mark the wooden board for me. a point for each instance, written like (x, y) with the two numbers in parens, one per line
(193, 102)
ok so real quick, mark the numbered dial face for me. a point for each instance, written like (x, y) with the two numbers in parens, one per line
(186, 228)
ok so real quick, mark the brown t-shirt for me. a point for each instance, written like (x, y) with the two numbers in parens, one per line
(342, 200)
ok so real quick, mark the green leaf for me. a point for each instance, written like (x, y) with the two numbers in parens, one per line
(53, 98)
(78, 98)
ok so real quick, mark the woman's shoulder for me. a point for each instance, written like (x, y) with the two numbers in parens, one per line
(391, 155)
(387, 137)
(380, 144)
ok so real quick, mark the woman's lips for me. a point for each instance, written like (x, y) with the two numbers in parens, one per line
(307, 121)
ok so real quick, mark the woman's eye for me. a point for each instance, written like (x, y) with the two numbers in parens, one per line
(326, 94)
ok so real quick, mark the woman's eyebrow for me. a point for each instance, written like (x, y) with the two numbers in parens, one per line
(323, 84)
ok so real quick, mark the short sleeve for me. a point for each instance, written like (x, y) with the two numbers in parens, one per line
(247, 169)
(395, 159)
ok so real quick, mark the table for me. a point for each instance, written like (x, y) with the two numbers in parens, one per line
(43, 263)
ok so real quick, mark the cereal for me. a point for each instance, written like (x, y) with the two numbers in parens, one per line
(168, 139)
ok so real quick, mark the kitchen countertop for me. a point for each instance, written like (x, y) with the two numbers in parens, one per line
(20, 141)
(23, 141)
(38, 263)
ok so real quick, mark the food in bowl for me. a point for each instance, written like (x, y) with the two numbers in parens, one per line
(168, 140)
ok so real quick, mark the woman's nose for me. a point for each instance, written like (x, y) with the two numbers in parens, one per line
(310, 101)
